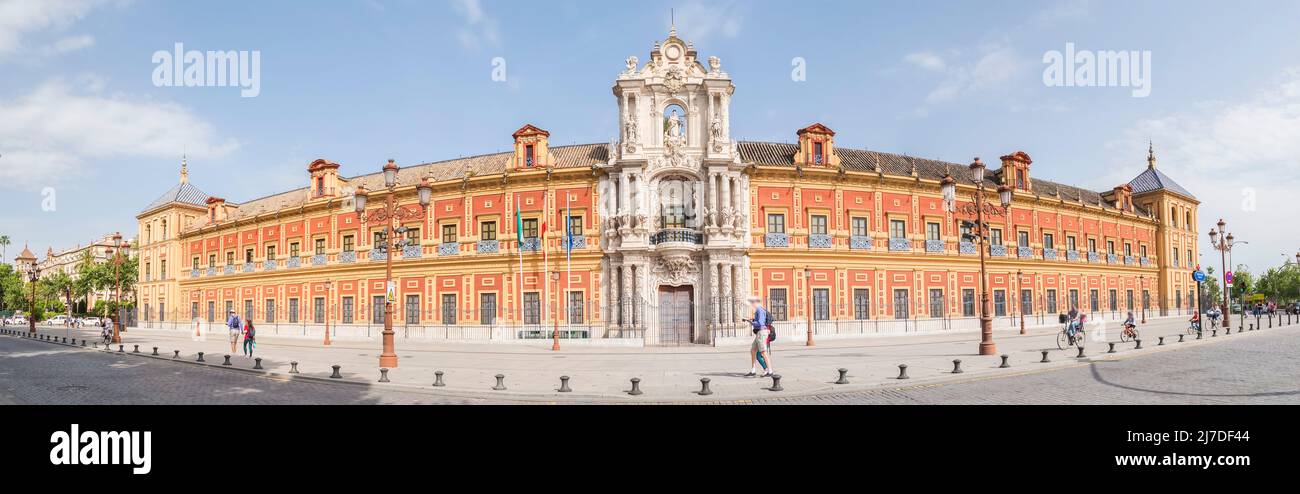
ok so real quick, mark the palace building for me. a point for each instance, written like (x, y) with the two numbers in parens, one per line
(659, 236)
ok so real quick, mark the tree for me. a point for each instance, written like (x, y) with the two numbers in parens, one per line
(62, 285)
(1213, 295)
(1242, 282)
(4, 247)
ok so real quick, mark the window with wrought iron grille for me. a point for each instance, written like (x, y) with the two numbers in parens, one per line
(859, 226)
(530, 228)
(293, 310)
(269, 315)
(1146, 299)
(999, 303)
(776, 303)
(1093, 300)
(162, 311)
(1128, 299)
(817, 153)
(413, 309)
(775, 223)
(817, 224)
(1074, 300)
(230, 305)
(487, 230)
(487, 304)
(1026, 301)
(821, 304)
(212, 311)
(902, 304)
(532, 308)
(348, 310)
(968, 302)
(861, 304)
(1051, 301)
(936, 302)
(194, 310)
(1114, 301)
(1178, 300)
(575, 307)
(318, 310)
(377, 309)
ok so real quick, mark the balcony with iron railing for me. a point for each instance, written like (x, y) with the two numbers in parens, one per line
(819, 241)
(1025, 252)
(293, 262)
(1112, 259)
(860, 242)
(212, 271)
(488, 247)
(268, 264)
(966, 248)
(934, 246)
(900, 245)
(249, 266)
(530, 244)
(230, 269)
(578, 241)
(772, 239)
(1049, 254)
(348, 256)
(318, 260)
(194, 273)
(676, 235)
(447, 249)
(378, 255)
(416, 252)
(997, 250)
(1093, 257)
(1128, 260)
(1071, 255)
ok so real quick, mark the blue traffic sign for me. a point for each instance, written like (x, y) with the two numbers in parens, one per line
(1199, 276)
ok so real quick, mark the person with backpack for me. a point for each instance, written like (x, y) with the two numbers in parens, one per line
(235, 328)
(250, 342)
(760, 349)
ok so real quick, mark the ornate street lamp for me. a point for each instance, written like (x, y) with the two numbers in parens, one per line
(1223, 244)
(117, 275)
(948, 186)
(1022, 303)
(807, 285)
(555, 346)
(389, 243)
(328, 299)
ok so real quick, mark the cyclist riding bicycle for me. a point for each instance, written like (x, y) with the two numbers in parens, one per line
(1073, 327)
(1128, 322)
(1195, 320)
(1214, 314)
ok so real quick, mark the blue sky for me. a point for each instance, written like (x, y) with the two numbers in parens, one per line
(359, 82)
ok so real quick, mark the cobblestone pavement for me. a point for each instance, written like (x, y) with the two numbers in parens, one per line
(1256, 367)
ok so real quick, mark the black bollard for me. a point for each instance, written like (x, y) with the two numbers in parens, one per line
(902, 371)
(1270, 324)
(636, 386)
(843, 377)
(383, 375)
(83, 343)
(704, 387)
(1004, 362)
(956, 366)
(121, 348)
(336, 374)
(1139, 344)
(564, 384)
(136, 349)
(438, 379)
(293, 367)
(1199, 335)
(1080, 353)
(177, 354)
(1162, 341)
(1045, 359)
(74, 342)
(501, 383)
(776, 383)
(1214, 332)
(1180, 338)
(227, 362)
(155, 351)
(257, 363)
(200, 357)
(1112, 348)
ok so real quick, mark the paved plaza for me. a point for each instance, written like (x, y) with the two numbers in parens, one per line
(39, 372)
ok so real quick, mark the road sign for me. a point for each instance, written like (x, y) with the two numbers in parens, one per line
(1229, 279)
(1199, 276)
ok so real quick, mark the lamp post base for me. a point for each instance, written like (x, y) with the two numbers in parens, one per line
(388, 359)
(987, 347)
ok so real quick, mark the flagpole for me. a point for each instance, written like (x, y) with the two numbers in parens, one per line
(519, 246)
(568, 255)
(546, 266)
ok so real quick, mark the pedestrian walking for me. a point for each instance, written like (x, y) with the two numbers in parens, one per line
(235, 328)
(760, 349)
(250, 340)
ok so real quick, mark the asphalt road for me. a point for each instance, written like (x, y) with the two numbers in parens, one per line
(1259, 369)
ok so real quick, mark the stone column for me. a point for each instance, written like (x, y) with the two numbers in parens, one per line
(726, 191)
(727, 297)
(622, 205)
(625, 299)
(714, 203)
(714, 300)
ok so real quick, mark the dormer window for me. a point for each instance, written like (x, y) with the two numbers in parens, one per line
(531, 148)
(320, 186)
(816, 146)
(528, 155)
(817, 153)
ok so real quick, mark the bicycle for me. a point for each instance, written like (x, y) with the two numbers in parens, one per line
(1129, 333)
(1067, 338)
(1194, 328)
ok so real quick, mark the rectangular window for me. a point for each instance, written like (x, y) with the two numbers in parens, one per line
(530, 228)
(995, 236)
(413, 309)
(999, 303)
(212, 312)
(348, 310)
(413, 236)
(1110, 246)
(1128, 300)
(488, 230)
(377, 309)
(932, 231)
(230, 258)
(194, 310)
(1026, 301)
(528, 155)
(1048, 242)
(162, 270)
(349, 243)
(320, 246)
(162, 311)
(817, 153)
(936, 302)
(318, 310)
(293, 249)
(448, 234)
(861, 304)
(270, 252)
(968, 302)
(1069, 243)
(230, 306)
(1178, 300)
(818, 225)
(487, 303)
(293, 310)
(378, 238)
(674, 216)
(776, 303)
(532, 308)
(1022, 239)
(148, 274)
(575, 307)
(1143, 250)
(776, 223)
(1092, 245)
(248, 255)
(1114, 302)
(1128, 249)
(821, 304)
(1146, 299)
(195, 264)
(1094, 304)
(1051, 301)
(901, 304)
(269, 307)
(575, 226)
(897, 229)
(1074, 299)
(860, 227)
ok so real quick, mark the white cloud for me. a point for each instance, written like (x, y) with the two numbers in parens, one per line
(996, 64)
(70, 44)
(926, 60)
(1224, 153)
(480, 28)
(1062, 12)
(59, 130)
(20, 19)
(699, 21)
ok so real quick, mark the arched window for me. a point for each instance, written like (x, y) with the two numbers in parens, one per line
(1173, 216)
(674, 126)
(164, 230)
(148, 233)
(1187, 223)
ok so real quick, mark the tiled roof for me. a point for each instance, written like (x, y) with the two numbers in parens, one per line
(861, 160)
(1153, 179)
(574, 156)
(185, 193)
